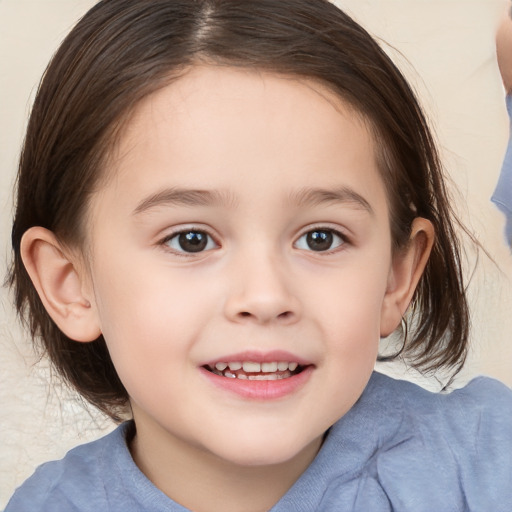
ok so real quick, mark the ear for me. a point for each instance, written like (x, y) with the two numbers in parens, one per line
(59, 284)
(406, 270)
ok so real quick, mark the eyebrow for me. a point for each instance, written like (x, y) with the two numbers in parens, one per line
(303, 197)
(319, 196)
(183, 197)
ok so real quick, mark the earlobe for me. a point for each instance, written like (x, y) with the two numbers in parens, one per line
(407, 268)
(59, 285)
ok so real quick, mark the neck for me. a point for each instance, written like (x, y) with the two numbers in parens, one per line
(203, 482)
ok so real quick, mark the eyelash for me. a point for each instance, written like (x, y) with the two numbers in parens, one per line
(210, 240)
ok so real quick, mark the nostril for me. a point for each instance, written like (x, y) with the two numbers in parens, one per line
(262, 316)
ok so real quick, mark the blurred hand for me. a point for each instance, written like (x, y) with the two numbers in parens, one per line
(504, 50)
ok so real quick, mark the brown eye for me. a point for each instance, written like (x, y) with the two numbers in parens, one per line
(320, 240)
(190, 241)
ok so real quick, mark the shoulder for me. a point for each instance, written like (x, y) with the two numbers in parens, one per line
(476, 414)
(460, 441)
(484, 403)
(480, 390)
(403, 448)
(76, 483)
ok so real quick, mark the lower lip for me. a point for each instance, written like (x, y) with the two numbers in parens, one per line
(262, 390)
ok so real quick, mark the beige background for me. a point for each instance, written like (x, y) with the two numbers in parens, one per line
(448, 43)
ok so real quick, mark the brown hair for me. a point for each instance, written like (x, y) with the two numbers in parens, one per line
(123, 50)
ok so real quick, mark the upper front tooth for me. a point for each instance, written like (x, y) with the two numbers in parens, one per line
(250, 367)
(253, 367)
(269, 367)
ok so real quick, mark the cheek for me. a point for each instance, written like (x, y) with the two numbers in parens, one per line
(148, 312)
(142, 329)
(351, 299)
(350, 316)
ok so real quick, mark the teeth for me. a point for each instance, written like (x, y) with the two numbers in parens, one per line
(251, 367)
(269, 367)
(256, 371)
(269, 376)
(263, 377)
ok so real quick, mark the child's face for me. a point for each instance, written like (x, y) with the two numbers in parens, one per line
(244, 220)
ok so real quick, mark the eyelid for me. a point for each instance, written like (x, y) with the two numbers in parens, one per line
(325, 226)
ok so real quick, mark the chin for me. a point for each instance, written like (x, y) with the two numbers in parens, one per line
(265, 452)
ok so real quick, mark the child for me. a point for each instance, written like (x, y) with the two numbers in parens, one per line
(222, 207)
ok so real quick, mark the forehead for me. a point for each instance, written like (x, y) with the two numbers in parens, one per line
(222, 128)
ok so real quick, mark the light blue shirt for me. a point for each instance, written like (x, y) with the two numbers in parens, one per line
(400, 448)
(502, 195)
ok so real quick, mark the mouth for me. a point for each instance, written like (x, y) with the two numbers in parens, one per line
(251, 370)
(259, 377)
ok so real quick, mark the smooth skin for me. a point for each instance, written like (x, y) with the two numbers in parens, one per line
(256, 164)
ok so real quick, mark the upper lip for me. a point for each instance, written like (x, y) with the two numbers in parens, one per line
(259, 357)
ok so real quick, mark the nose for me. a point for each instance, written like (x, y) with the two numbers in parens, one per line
(261, 292)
